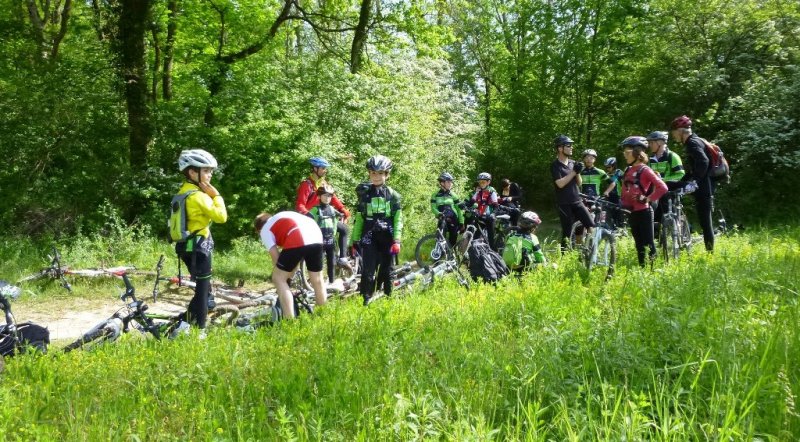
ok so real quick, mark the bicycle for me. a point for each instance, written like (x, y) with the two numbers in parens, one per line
(503, 227)
(599, 247)
(674, 234)
(135, 314)
(15, 337)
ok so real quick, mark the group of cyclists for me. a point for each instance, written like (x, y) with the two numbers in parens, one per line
(319, 223)
(642, 188)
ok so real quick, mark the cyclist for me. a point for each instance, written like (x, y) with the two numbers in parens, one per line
(325, 216)
(567, 181)
(522, 247)
(510, 195)
(199, 204)
(667, 165)
(592, 178)
(698, 165)
(485, 197)
(307, 198)
(378, 227)
(291, 238)
(444, 204)
(614, 188)
(640, 187)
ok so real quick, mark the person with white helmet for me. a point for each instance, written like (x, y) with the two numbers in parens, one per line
(197, 204)
(307, 197)
(522, 248)
(592, 178)
(485, 197)
(377, 227)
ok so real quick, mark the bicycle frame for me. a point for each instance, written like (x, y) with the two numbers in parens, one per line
(674, 230)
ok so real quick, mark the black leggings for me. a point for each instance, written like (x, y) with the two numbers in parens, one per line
(330, 253)
(198, 261)
(642, 230)
(376, 258)
(344, 232)
(705, 207)
(568, 213)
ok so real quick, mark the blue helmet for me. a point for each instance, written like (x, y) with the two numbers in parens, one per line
(445, 176)
(319, 162)
(658, 135)
(634, 141)
(611, 161)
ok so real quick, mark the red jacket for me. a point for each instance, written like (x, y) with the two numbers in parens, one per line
(307, 197)
(641, 181)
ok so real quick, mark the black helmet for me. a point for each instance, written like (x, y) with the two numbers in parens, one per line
(658, 135)
(445, 176)
(562, 140)
(380, 163)
(634, 141)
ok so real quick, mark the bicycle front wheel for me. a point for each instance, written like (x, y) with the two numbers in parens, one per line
(606, 251)
(669, 239)
(429, 251)
(223, 315)
(685, 233)
(106, 331)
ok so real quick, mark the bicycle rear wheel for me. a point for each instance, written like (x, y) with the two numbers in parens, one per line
(223, 315)
(685, 233)
(669, 239)
(429, 251)
(107, 331)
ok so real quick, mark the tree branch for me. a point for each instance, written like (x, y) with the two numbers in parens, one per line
(62, 30)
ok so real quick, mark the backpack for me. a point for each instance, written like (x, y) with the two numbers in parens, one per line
(718, 166)
(516, 249)
(485, 263)
(176, 224)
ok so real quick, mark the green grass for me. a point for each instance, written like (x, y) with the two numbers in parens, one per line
(702, 349)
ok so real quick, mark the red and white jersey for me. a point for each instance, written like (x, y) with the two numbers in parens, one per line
(290, 230)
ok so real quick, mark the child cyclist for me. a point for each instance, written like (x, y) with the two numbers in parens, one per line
(444, 204)
(486, 199)
(326, 218)
(378, 227)
(194, 208)
(522, 249)
(592, 178)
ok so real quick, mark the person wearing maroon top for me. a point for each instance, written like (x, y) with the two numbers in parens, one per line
(307, 198)
(640, 187)
(567, 181)
(697, 170)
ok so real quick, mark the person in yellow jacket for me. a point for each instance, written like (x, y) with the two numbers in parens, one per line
(194, 208)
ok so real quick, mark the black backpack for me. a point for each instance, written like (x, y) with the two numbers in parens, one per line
(485, 263)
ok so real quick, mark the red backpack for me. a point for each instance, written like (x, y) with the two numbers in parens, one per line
(718, 166)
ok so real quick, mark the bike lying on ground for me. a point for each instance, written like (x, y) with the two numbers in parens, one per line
(14, 337)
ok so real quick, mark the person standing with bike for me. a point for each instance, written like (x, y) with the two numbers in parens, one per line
(667, 165)
(326, 218)
(290, 239)
(485, 197)
(567, 181)
(378, 227)
(307, 198)
(640, 187)
(444, 204)
(698, 166)
(194, 208)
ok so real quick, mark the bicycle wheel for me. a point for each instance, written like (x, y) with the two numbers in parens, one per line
(106, 331)
(223, 315)
(428, 250)
(685, 233)
(500, 242)
(606, 251)
(671, 240)
(576, 236)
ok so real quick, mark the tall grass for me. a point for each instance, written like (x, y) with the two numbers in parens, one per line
(706, 348)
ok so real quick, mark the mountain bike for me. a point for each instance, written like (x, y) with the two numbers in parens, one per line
(18, 337)
(599, 246)
(675, 234)
(503, 227)
(434, 247)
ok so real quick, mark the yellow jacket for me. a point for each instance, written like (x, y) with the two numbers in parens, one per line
(202, 210)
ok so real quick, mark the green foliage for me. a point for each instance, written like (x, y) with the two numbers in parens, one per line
(700, 349)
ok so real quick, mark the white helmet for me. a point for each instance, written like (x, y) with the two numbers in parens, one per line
(196, 158)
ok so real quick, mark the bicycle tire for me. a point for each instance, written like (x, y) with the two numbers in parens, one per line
(223, 315)
(426, 250)
(607, 248)
(574, 233)
(108, 330)
(499, 242)
(685, 233)
(671, 236)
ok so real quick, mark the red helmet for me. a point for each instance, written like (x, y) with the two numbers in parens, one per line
(680, 122)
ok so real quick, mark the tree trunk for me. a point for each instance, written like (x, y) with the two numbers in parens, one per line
(133, 24)
(169, 49)
(156, 63)
(360, 37)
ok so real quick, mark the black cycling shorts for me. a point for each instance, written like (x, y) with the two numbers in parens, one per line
(312, 254)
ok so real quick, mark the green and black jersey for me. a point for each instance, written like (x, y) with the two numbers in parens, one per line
(593, 180)
(379, 210)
